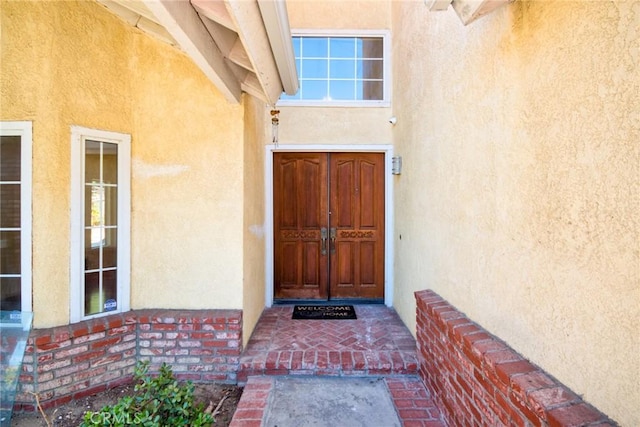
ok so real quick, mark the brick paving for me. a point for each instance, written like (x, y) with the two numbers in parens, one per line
(376, 344)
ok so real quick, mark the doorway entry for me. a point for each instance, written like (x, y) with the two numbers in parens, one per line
(329, 226)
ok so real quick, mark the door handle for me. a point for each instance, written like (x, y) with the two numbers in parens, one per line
(332, 235)
(323, 241)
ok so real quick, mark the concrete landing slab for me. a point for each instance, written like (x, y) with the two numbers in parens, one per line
(319, 402)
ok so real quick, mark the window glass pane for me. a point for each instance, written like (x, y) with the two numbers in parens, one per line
(372, 90)
(109, 290)
(10, 293)
(315, 47)
(342, 69)
(296, 41)
(342, 47)
(91, 249)
(9, 252)
(96, 238)
(342, 90)
(289, 97)
(299, 66)
(92, 301)
(110, 249)
(99, 299)
(314, 89)
(92, 161)
(370, 48)
(94, 202)
(314, 69)
(111, 206)
(10, 205)
(370, 69)
(10, 158)
(110, 163)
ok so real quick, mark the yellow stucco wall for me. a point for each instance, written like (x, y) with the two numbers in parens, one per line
(335, 125)
(255, 117)
(74, 63)
(519, 197)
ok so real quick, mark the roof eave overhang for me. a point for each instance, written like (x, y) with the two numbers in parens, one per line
(240, 45)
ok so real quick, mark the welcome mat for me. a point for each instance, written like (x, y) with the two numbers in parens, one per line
(323, 312)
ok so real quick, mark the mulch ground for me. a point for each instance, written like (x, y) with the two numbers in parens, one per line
(71, 414)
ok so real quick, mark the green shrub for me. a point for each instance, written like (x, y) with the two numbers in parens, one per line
(157, 402)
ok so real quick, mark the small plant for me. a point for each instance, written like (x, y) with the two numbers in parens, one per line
(158, 401)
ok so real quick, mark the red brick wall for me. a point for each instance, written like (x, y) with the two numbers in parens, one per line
(478, 380)
(74, 361)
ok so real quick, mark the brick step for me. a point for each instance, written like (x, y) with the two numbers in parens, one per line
(329, 363)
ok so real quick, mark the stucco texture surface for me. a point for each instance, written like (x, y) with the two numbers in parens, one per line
(256, 115)
(519, 197)
(336, 14)
(70, 63)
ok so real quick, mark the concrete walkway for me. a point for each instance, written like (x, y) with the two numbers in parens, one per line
(290, 401)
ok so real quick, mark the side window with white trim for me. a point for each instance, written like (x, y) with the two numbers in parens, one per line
(100, 259)
(15, 216)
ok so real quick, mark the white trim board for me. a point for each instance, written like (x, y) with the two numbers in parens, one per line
(388, 210)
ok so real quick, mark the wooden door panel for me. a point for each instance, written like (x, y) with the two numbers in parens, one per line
(342, 193)
(369, 214)
(312, 192)
(367, 269)
(311, 261)
(288, 270)
(286, 188)
(300, 211)
(357, 214)
(345, 284)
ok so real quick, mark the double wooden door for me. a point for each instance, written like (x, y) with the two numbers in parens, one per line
(329, 226)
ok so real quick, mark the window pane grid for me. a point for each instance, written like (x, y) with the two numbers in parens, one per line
(339, 68)
(100, 290)
(10, 223)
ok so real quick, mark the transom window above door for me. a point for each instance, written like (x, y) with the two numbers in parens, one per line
(343, 70)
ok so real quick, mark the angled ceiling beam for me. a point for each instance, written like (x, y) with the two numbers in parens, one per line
(155, 29)
(256, 42)
(137, 15)
(183, 23)
(239, 56)
(224, 37)
(216, 11)
(276, 22)
(131, 17)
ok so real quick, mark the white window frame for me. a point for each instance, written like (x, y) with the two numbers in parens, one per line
(24, 129)
(387, 81)
(78, 137)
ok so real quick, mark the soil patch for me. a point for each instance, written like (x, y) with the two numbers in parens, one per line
(70, 414)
